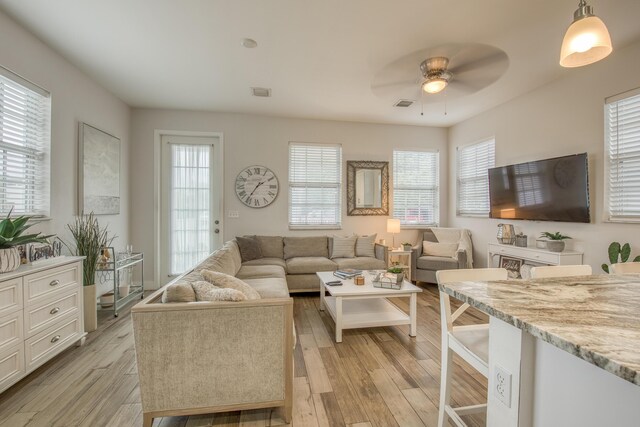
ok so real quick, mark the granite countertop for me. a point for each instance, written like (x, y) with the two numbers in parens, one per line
(596, 318)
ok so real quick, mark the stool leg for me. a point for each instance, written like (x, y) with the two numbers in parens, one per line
(445, 382)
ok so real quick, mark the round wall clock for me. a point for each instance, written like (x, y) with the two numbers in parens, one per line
(257, 186)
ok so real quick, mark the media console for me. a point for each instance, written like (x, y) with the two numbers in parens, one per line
(531, 255)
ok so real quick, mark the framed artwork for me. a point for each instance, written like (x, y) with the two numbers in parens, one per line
(99, 171)
(512, 265)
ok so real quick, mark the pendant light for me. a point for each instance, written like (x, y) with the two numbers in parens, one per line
(587, 39)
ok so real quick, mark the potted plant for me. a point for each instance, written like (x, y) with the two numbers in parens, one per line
(556, 240)
(90, 239)
(11, 236)
(398, 271)
(619, 253)
(407, 246)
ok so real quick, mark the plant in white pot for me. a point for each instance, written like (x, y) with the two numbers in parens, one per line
(556, 240)
(90, 238)
(11, 236)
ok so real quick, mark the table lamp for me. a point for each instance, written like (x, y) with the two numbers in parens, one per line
(393, 227)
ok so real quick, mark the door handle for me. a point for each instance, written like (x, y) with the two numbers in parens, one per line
(216, 222)
(217, 230)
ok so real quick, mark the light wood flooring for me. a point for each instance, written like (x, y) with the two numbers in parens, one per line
(375, 377)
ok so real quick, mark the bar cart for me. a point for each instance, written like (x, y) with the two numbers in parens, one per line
(118, 269)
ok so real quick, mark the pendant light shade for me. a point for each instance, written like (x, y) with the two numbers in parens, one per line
(587, 39)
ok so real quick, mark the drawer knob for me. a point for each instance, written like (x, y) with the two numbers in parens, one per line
(55, 339)
(54, 283)
(54, 310)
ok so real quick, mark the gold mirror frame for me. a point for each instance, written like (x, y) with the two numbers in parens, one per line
(352, 167)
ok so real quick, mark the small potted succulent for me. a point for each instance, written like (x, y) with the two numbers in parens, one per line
(407, 246)
(398, 271)
(556, 240)
(11, 236)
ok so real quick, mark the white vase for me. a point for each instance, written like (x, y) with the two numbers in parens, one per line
(90, 308)
(9, 260)
(555, 245)
(123, 291)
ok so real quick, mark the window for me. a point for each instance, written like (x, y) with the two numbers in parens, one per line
(474, 161)
(315, 178)
(24, 146)
(416, 194)
(622, 162)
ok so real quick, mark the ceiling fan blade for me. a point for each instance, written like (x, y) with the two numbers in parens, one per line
(494, 63)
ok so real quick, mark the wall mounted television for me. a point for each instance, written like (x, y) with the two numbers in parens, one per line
(545, 190)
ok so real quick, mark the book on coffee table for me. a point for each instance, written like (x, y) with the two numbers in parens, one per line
(347, 273)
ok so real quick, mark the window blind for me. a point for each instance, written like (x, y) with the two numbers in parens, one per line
(474, 162)
(25, 112)
(622, 128)
(416, 194)
(315, 179)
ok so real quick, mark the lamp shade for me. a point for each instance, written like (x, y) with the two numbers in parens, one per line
(393, 226)
(586, 41)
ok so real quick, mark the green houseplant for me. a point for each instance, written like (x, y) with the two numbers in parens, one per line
(90, 238)
(407, 246)
(556, 240)
(619, 253)
(11, 236)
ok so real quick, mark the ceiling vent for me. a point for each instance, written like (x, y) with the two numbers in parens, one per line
(261, 91)
(403, 103)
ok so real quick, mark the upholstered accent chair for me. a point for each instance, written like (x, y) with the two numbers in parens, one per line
(424, 266)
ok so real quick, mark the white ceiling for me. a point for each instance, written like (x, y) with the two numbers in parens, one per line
(319, 57)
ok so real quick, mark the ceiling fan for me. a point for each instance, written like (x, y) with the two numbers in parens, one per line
(461, 69)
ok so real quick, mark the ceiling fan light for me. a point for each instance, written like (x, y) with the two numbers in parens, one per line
(434, 85)
(586, 41)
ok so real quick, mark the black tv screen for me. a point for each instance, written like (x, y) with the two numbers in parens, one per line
(546, 190)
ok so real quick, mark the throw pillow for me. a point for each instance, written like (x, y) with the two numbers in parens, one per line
(178, 292)
(229, 282)
(365, 246)
(250, 248)
(344, 247)
(205, 291)
(439, 249)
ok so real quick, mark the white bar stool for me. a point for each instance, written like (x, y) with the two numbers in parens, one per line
(625, 268)
(560, 271)
(470, 342)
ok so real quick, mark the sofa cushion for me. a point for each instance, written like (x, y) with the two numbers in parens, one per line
(365, 246)
(260, 271)
(439, 249)
(436, 263)
(360, 263)
(249, 248)
(309, 264)
(267, 261)
(271, 246)
(314, 246)
(206, 291)
(225, 281)
(343, 247)
(179, 292)
(270, 287)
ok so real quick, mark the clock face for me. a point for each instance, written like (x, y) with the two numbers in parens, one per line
(257, 186)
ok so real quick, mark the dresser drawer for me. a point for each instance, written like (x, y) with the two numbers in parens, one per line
(46, 344)
(10, 296)
(11, 330)
(11, 366)
(47, 282)
(43, 314)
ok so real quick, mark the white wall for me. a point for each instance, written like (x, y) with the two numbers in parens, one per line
(74, 98)
(563, 117)
(250, 139)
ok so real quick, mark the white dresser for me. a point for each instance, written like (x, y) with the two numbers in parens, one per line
(40, 316)
(533, 255)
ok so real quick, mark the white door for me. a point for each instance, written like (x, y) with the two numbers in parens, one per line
(191, 201)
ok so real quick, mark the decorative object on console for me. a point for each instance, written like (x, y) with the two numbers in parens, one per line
(393, 227)
(512, 265)
(367, 188)
(407, 246)
(257, 186)
(11, 236)
(541, 244)
(45, 252)
(90, 239)
(556, 240)
(619, 253)
(587, 39)
(521, 240)
(506, 234)
(99, 174)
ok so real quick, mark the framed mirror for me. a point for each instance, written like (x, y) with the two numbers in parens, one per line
(367, 188)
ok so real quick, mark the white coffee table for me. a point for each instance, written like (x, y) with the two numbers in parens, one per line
(352, 306)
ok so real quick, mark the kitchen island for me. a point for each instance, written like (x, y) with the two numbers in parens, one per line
(562, 351)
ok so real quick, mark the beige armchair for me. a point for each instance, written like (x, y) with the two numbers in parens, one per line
(424, 267)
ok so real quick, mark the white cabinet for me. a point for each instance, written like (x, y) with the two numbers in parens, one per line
(40, 316)
(531, 255)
